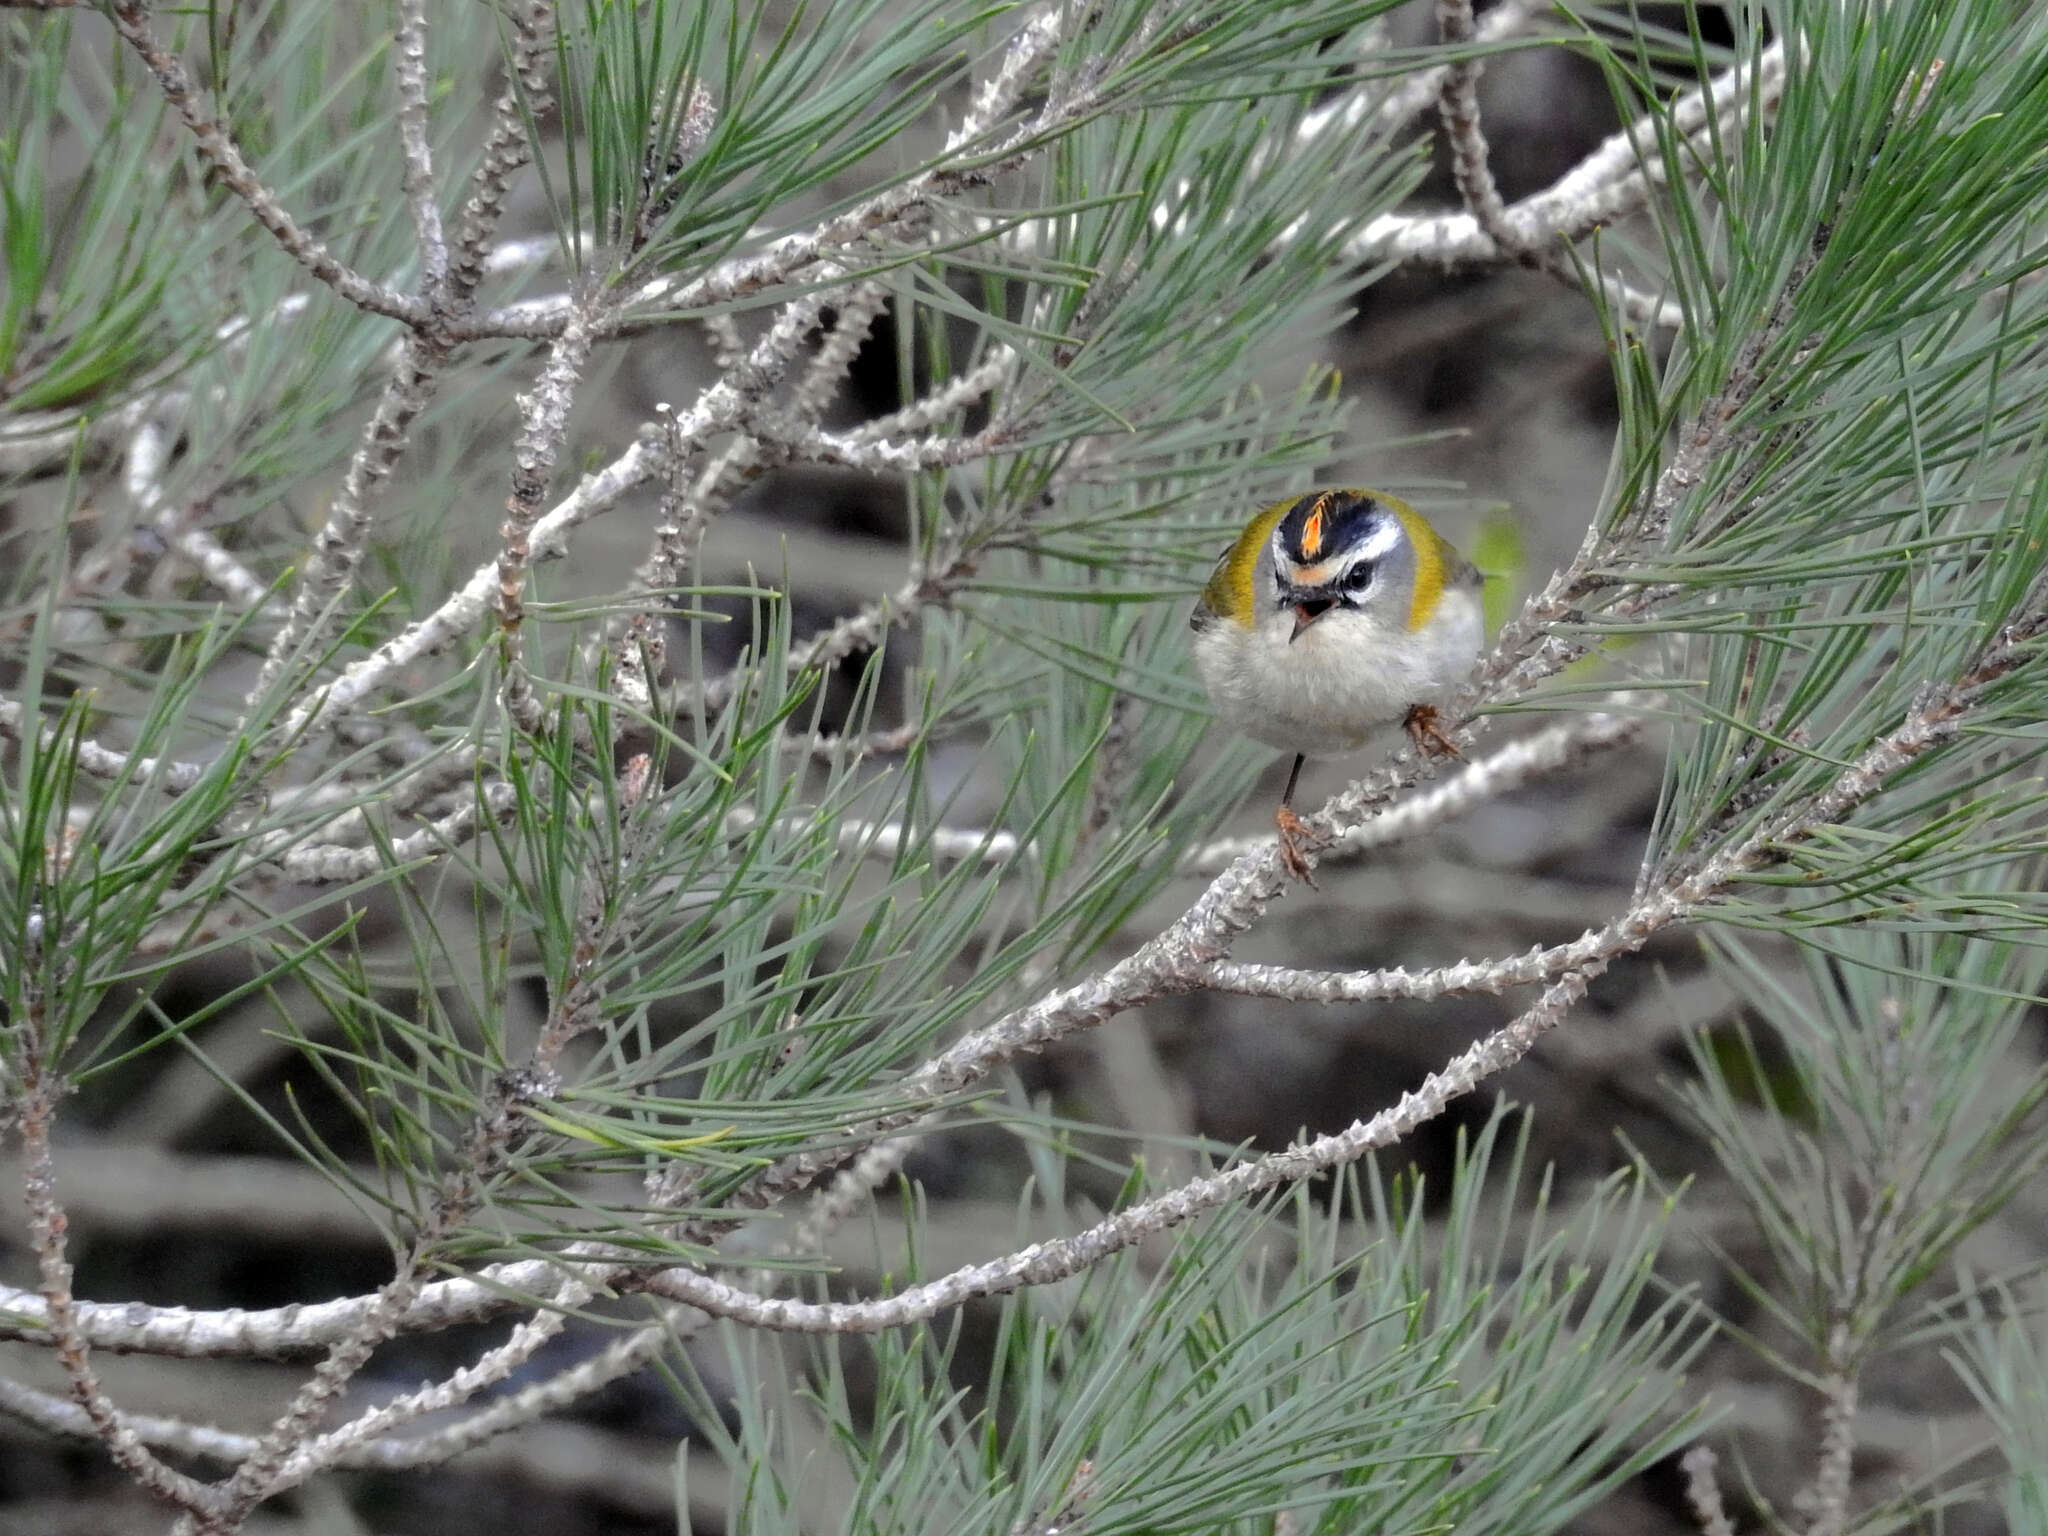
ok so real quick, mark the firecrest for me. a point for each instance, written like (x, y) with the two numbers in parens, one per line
(1332, 615)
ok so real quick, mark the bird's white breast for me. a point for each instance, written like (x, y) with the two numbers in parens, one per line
(1345, 676)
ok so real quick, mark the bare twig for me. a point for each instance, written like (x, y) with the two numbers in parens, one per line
(1458, 106)
(369, 1439)
(463, 609)
(339, 548)
(1703, 1490)
(1414, 92)
(245, 590)
(844, 751)
(102, 762)
(853, 318)
(800, 256)
(35, 1107)
(1614, 180)
(335, 864)
(691, 500)
(1826, 1502)
(145, 469)
(275, 1332)
(263, 1472)
(409, 67)
(57, 1416)
(131, 19)
(640, 651)
(1551, 750)
(546, 422)
(1048, 1262)
(887, 839)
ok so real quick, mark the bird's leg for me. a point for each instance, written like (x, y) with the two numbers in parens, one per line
(1428, 735)
(1294, 831)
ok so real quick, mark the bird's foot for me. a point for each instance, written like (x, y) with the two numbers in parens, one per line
(1294, 837)
(1424, 729)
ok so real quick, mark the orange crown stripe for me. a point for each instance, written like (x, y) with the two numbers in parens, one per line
(1312, 530)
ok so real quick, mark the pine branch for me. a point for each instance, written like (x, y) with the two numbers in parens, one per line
(338, 551)
(131, 19)
(1613, 181)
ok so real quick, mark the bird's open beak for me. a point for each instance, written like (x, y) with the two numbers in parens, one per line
(1306, 613)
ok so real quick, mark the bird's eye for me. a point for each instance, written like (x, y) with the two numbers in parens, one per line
(1359, 577)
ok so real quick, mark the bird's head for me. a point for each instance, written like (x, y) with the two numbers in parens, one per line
(1348, 557)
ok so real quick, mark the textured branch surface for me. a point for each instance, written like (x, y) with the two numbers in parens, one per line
(820, 252)
(1616, 179)
(1554, 749)
(339, 549)
(1063, 1258)
(48, 1228)
(409, 69)
(1458, 106)
(132, 20)
(546, 411)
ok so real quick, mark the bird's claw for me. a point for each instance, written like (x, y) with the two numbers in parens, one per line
(1424, 729)
(1294, 835)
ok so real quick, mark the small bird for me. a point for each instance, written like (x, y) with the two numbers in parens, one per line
(1332, 615)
